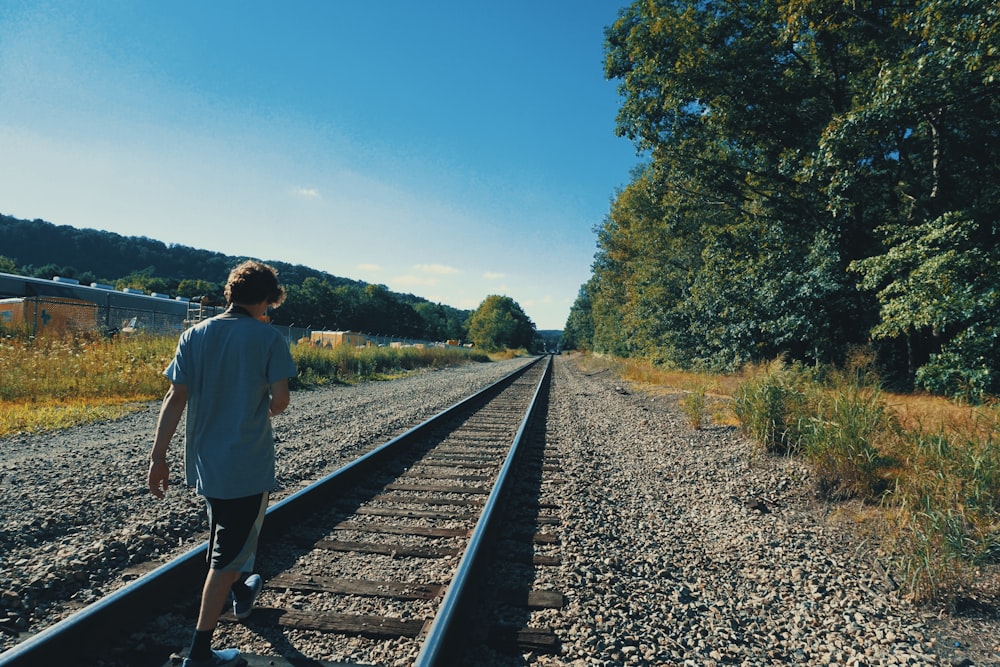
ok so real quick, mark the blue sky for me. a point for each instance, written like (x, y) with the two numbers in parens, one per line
(450, 150)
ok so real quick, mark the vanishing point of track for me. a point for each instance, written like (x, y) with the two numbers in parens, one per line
(409, 526)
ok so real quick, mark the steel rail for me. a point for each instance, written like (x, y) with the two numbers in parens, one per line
(85, 629)
(440, 641)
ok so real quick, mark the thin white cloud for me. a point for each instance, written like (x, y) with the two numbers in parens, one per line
(493, 275)
(410, 281)
(438, 269)
(369, 267)
(306, 193)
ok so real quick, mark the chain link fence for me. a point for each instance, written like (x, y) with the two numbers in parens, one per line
(53, 315)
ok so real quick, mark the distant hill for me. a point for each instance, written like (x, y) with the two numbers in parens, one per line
(44, 249)
(41, 249)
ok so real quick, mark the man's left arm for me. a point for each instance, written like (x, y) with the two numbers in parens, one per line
(280, 397)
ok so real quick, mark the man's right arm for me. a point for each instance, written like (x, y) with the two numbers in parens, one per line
(170, 416)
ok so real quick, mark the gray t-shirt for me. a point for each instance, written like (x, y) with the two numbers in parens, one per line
(228, 363)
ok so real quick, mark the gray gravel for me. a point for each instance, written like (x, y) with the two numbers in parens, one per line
(683, 548)
(76, 519)
(678, 546)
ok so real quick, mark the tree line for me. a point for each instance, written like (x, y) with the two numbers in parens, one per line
(315, 299)
(818, 175)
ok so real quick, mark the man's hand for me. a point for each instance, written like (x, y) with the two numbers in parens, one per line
(159, 478)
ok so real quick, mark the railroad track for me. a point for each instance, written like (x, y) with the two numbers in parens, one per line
(394, 551)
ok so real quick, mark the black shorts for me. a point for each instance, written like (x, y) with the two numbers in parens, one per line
(235, 525)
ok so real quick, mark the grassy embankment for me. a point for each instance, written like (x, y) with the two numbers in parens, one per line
(51, 383)
(922, 473)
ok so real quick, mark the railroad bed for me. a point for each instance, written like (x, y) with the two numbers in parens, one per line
(385, 548)
(673, 546)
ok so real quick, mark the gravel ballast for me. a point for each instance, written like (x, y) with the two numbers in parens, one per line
(677, 546)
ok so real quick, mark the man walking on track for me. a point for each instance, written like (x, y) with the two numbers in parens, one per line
(231, 373)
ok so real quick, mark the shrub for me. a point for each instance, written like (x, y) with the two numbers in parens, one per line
(693, 404)
(840, 440)
(772, 404)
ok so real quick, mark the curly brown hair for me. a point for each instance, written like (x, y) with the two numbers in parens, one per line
(253, 282)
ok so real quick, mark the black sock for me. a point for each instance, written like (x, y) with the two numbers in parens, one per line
(201, 645)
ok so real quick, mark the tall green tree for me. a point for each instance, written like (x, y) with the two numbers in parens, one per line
(500, 323)
(730, 112)
(578, 334)
(919, 155)
(822, 173)
(197, 287)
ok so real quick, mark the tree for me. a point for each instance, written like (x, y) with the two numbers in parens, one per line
(705, 253)
(500, 323)
(822, 173)
(578, 334)
(145, 280)
(7, 265)
(191, 288)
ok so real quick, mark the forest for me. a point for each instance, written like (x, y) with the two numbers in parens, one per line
(818, 176)
(316, 299)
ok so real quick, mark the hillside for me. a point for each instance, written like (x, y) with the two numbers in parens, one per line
(42, 249)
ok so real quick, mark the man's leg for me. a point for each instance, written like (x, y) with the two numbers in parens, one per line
(214, 597)
(235, 526)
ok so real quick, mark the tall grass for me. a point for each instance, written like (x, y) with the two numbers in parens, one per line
(943, 512)
(66, 368)
(938, 486)
(927, 469)
(52, 382)
(323, 365)
(773, 404)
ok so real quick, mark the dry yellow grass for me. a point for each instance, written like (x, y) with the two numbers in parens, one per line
(925, 413)
(49, 383)
(19, 417)
(917, 412)
(931, 503)
(657, 381)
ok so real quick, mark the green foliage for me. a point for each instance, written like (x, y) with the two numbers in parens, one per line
(322, 365)
(7, 265)
(966, 366)
(499, 323)
(771, 406)
(938, 282)
(578, 334)
(442, 322)
(789, 142)
(144, 280)
(196, 287)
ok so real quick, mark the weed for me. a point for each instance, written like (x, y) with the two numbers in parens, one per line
(693, 403)
(772, 405)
